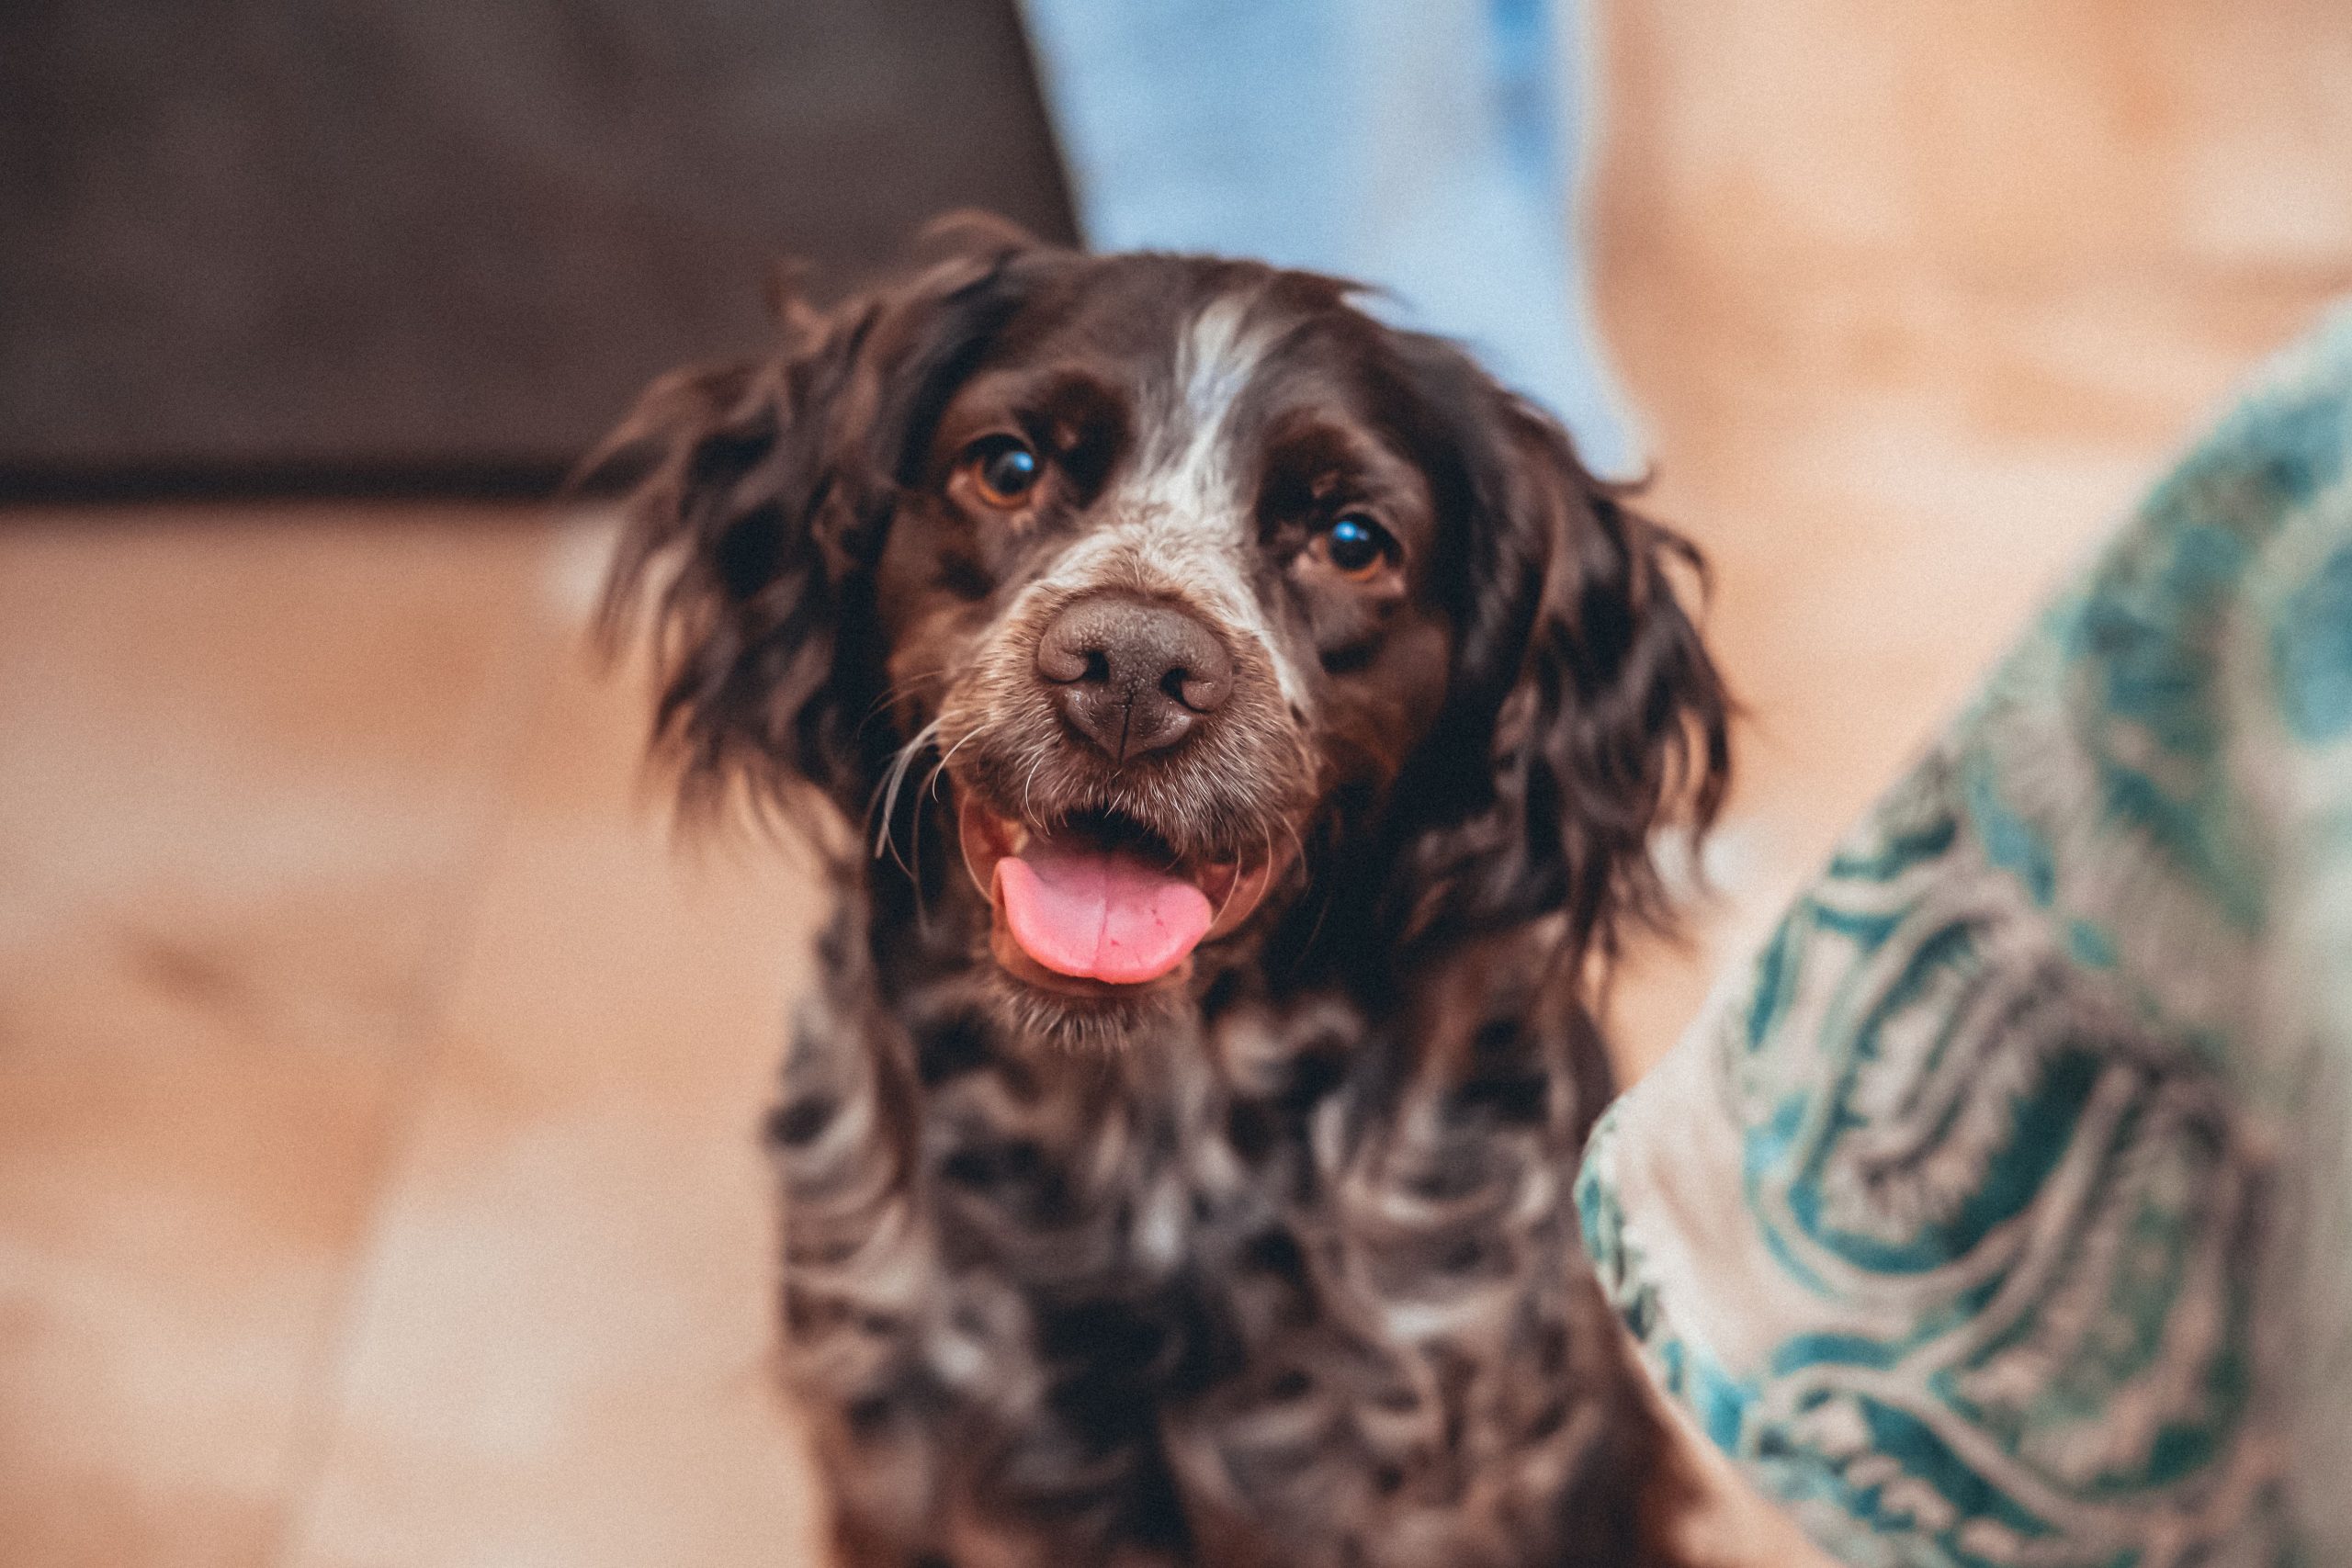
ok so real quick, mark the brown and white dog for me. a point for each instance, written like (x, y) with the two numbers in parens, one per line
(1259, 719)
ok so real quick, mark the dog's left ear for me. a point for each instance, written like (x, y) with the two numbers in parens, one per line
(1581, 681)
(767, 489)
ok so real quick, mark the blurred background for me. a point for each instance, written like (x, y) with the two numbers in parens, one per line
(378, 1078)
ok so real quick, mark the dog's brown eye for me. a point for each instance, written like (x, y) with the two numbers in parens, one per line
(1004, 469)
(1357, 546)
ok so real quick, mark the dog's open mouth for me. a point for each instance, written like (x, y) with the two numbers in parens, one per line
(1099, 904)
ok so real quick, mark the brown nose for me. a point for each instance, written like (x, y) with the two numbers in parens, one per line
(1131, 676)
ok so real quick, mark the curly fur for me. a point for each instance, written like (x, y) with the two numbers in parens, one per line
(1275, 1265)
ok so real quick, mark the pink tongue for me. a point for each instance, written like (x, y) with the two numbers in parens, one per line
(1100, 914)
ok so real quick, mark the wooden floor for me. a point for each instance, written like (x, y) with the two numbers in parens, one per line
(377, 1086)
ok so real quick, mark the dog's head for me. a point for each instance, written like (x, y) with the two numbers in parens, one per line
(1171, 596)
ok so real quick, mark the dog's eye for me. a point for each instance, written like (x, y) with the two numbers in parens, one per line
(1004, 469)
(1357, 547)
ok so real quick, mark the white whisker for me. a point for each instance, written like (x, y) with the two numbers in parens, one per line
(1028, 807)
(888, 794)
(941, 766)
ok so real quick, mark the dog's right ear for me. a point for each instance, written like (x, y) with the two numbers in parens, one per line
(768, 487)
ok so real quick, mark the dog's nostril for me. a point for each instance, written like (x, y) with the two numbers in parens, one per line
(1062, 659)
(1201, 694)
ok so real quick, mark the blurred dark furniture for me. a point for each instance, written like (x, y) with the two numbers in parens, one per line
(437, 245)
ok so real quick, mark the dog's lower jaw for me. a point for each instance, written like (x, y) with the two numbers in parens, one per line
(1055, 1021)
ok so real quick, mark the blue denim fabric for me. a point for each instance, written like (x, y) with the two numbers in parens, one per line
(1426, 147)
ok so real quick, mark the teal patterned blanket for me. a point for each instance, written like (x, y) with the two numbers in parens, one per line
(1996, 1213)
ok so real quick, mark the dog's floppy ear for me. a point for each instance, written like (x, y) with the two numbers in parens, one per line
(1581, 683)
(754, 531)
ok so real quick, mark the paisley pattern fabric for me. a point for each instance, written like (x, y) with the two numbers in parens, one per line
(1995, 1214)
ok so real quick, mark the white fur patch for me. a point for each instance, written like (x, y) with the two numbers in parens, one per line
(1184, 521)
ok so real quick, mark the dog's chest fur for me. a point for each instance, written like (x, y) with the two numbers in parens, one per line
(1272, 1283)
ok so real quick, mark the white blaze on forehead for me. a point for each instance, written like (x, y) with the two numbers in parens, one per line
(1216, 359)
(1185, 519)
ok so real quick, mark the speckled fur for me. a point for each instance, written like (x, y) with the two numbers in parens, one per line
(1273, 1282)
(1273, 1266)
